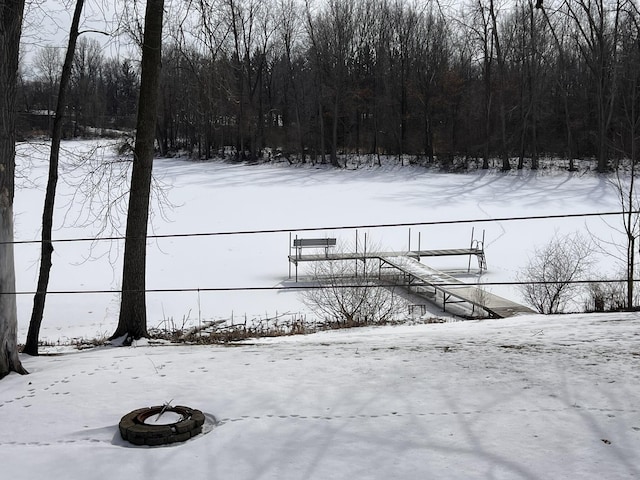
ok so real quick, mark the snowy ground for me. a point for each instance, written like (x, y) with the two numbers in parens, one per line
(525, 398)
(530, 397)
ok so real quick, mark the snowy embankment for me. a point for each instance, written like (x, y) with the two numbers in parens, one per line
(523, 398)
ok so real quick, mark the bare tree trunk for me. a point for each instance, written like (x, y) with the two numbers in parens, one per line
(535, 89)
(526, 80)
(334, 130)
(132, 322)
(9, 359)
(598, 33)
(238, 64)
(564, 90)
(631, 224)
(321, 122)
(11, 12)
(319, 83)
(403, 110)
(486, 39)
(31, 345)
(501, 88)
(567, 122)
(487, 113)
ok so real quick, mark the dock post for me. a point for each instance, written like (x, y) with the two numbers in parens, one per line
(289, 255)
(470, 248)
(356, 260)
(364, 258)
(297, 257)
(483, 266)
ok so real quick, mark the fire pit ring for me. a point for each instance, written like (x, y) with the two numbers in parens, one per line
(135, 430)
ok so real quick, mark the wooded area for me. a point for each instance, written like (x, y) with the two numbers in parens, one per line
(483, 79)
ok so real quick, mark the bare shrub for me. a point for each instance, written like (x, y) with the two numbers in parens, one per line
(349, 293)
(552, 271)
(606, 297)
(480, 297)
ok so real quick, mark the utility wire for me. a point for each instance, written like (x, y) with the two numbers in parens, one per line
(315, 287)
(339, 227)
(315, 229)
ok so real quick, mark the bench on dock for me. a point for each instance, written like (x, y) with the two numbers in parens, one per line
(326, 243)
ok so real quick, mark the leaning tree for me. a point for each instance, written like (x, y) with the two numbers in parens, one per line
(46, 247)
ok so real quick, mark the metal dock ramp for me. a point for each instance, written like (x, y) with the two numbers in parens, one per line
(451, 289)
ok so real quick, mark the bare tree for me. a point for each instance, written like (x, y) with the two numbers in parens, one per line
(482, 34)
(132, 322)
(349, 294)
(431, 66)
(627, 193)
(502, 73)
(563, 77)
(624, 180)
(47, 64)
(46, 247)
(550, 275)
(597, 33)
(201, 39)
(11, 12)
(625, 252)
(86, 67)
(403, 46)
(332, 36)
(289, 32)
(529, 55)
(317, 59)
(251, 31)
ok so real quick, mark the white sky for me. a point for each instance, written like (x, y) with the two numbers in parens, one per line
(47, 23)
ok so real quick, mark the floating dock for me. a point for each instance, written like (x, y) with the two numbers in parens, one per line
(420, 279)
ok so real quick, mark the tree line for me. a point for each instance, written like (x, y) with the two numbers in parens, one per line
(103, 91)
(486, 79)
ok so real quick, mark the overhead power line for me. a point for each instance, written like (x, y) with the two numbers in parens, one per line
(315, 229)
(308, 287)
(335, 227)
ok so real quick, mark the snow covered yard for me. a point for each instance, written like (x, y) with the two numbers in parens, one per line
(530, 397)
